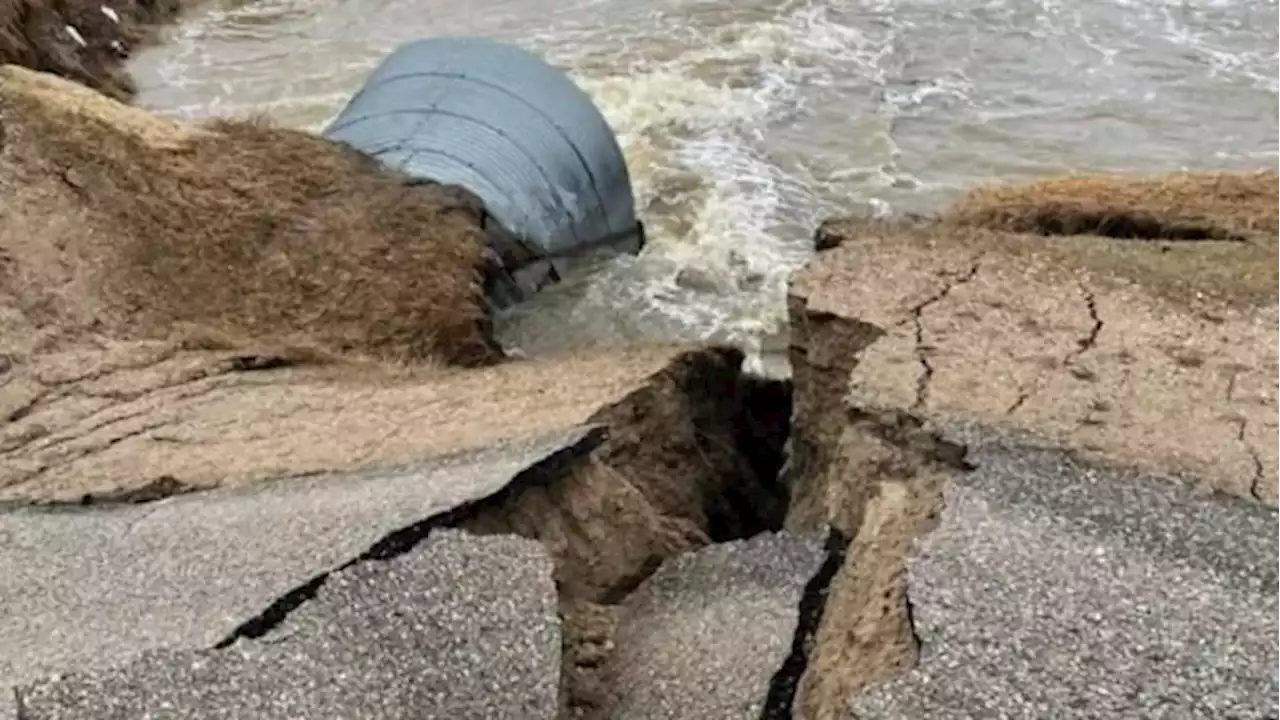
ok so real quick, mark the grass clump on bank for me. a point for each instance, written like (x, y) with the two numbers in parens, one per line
(1182, 235)
(133, 226)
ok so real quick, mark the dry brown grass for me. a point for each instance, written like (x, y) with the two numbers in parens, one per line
(1184, 236)
(33, 34)
(1178, 206)
(129, 226)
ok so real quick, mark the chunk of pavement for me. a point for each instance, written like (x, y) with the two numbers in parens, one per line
(1051, 589)
(704, 635)
(1088, 343)
(97, 587)
(460, 626)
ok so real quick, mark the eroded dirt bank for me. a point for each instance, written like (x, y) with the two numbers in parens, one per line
(122, 225)
(1152, 350)
(144, 263)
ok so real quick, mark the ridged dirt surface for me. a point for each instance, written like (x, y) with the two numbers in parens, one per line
(955, 390)
(990, 332)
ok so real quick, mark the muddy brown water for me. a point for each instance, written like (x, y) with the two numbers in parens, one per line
(746, 123)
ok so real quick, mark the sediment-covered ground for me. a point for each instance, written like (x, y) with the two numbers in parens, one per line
(250, 467)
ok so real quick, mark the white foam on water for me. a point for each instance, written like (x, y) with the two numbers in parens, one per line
(691, 93)
(692, 105)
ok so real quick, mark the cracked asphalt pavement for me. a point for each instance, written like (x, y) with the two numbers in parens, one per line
(703, 637)
(89, 588)
(458, 627)
(986, 331)
(917, 322)
(1057, 590)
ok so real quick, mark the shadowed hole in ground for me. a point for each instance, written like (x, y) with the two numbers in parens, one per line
(760, 434)
(1126, 226)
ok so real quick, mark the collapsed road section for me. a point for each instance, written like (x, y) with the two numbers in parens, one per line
(1068, 561)
(662, 549)
(995, 495)
(242, 569)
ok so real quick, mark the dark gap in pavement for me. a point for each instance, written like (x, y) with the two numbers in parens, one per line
(752, 499)
(762, 425)
(403, 540)
(782, 688)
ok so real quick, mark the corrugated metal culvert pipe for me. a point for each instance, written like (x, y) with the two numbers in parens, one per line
(515, 131)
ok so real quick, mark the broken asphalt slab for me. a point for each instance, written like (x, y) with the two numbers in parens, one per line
(459, 626)
(673, 473)
(83, 589)
(108, 422)
(704, 635)
(1018, 333)
(1052, 589)
(903, 329)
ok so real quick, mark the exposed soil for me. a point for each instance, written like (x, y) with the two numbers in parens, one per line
(692, 458)
(127, 417)
(1106, 346)
(137, 366)
(238, 234)
(187, 308)
(87, 41)
(1021, 333)
(872, 470)
(1210, 234)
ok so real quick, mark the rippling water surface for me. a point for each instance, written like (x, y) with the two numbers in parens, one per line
(746, 123)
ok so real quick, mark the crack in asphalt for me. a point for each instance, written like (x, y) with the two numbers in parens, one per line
(1242, 427)
(398, 542)
(19, 707)
(1018, 402)
(917, 320)
(1259, 470)
(1259, 474)
(1089, 341)
(780, 698)
(1083, 345)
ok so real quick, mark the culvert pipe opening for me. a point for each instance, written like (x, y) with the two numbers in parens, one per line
(517, 133)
